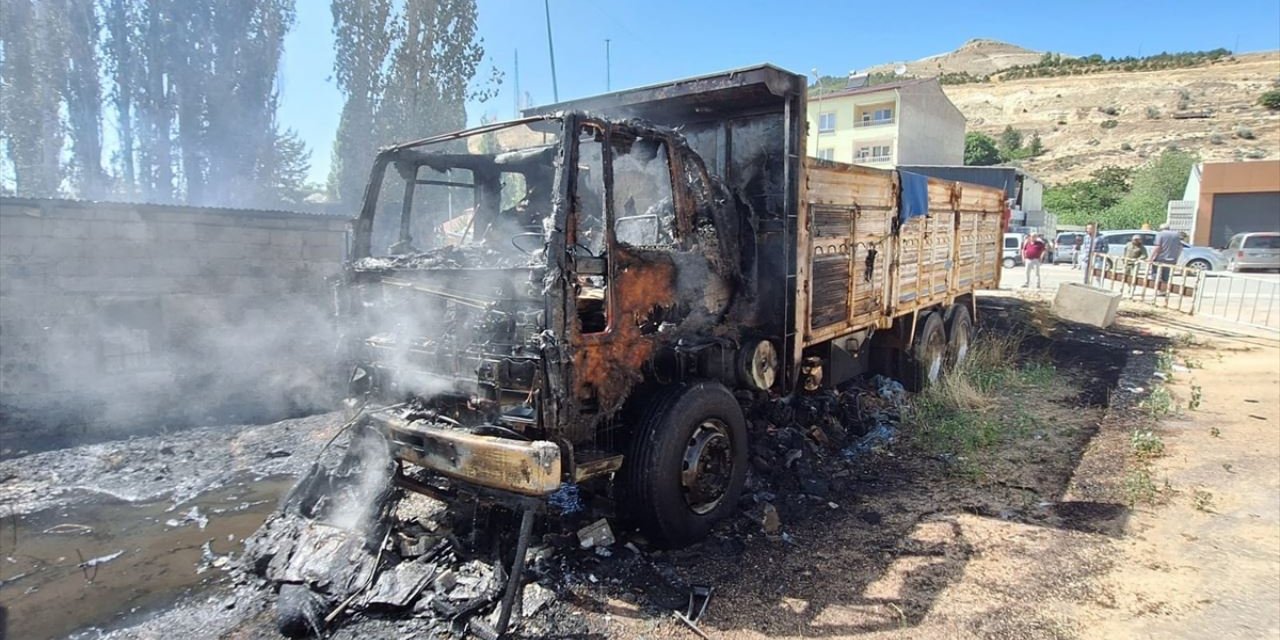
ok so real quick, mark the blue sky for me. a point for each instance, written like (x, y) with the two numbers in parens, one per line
(658, 40)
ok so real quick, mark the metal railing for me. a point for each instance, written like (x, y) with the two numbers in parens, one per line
(1242, 299)
(872, 122)
(1222, 295)
(1164, 285)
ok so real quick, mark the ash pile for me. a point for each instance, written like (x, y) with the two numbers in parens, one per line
(350, 548)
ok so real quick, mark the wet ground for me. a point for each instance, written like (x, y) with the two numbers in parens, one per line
(870, 532)
(120, 529)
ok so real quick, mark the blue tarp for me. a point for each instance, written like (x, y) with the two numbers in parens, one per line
(915, 195)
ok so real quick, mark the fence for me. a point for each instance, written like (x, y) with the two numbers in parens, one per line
(1243, 299)
(1226, 296)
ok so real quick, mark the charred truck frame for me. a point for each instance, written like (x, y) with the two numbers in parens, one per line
(625, 270)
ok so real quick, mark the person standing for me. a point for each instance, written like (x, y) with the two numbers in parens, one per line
(1033, 249)
(1133, 251)
(1094, 244)
(1075, 251)
(1165, 254)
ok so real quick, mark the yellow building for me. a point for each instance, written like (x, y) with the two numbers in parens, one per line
(906, 122)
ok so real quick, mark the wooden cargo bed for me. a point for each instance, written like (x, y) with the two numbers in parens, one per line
(859, 267)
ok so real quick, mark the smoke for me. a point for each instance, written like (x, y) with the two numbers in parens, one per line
(95, 344)
(137, 364)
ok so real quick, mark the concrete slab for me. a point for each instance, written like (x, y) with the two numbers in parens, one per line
(1082, 303)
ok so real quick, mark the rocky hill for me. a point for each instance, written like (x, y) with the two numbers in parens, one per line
(1115, 118)
(978, 57)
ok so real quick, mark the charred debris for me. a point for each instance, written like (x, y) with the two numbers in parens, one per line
(351, 541)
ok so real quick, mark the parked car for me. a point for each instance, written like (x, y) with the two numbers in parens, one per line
(1258, 250)
(1012, 250)
(1192, 256)
(1065, 245)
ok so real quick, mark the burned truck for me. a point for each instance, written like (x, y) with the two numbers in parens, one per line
(587, 296)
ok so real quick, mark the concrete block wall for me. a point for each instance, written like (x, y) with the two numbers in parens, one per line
(115, 318)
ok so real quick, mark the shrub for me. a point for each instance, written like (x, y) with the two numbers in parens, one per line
(1255, 154)
(1109, 124)
(1216, 138)
(1270, 100)
(1244, 133)
(1111, 111)
(1126, 147)
(1153, 113)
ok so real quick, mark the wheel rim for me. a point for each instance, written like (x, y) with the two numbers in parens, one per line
(935, 352)
(707, 466)
(1198, 265)
(960, 340)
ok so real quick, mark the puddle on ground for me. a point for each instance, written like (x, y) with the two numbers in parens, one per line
(46, 593)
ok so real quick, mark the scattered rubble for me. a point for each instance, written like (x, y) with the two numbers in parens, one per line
(596, 534)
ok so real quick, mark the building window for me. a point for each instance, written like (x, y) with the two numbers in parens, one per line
(827, 121)
(827, 154)
(873, 153)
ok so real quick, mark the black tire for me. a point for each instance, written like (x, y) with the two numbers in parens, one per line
(299, 612)
(927, 354)
(702, 420)
(959, 336)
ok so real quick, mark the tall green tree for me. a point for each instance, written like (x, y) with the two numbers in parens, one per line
(83, 95)
(363, 33)
(1010, 142)
(33, 73)
(980, 150)
(121, 19)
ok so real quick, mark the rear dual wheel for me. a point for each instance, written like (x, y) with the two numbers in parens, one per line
(939, 346)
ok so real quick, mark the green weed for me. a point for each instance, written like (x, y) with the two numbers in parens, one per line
(1215, 432)
(1139, 488)
(1038, 374)
(1159, 404)
(1197, 395)
(1146, 444)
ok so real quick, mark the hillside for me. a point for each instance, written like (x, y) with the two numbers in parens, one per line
(1068, 110)
(1068, 113)
(977, 57)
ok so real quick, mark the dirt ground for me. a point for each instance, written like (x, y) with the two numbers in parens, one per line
(1049, 527)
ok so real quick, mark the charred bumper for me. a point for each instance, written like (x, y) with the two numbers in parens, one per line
(525, 467)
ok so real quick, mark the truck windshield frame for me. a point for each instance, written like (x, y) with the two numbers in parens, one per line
(507, 168)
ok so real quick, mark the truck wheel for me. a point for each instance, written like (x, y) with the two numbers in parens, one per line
(959, 335)
(1010, 263)
(924, 362)
(687, 463)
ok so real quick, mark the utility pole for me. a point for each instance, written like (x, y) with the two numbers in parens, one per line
(551, 49)
(608, 69)
(517, 114)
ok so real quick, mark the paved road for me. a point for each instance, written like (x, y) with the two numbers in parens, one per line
(1252, 298)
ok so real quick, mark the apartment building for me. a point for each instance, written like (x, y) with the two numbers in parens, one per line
(883, 125)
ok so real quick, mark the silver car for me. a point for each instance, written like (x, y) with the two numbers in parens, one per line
(1193, 257)
(1258, 250)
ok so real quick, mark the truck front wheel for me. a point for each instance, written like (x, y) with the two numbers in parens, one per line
(687, 462)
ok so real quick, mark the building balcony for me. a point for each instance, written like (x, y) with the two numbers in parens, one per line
(872, 123)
